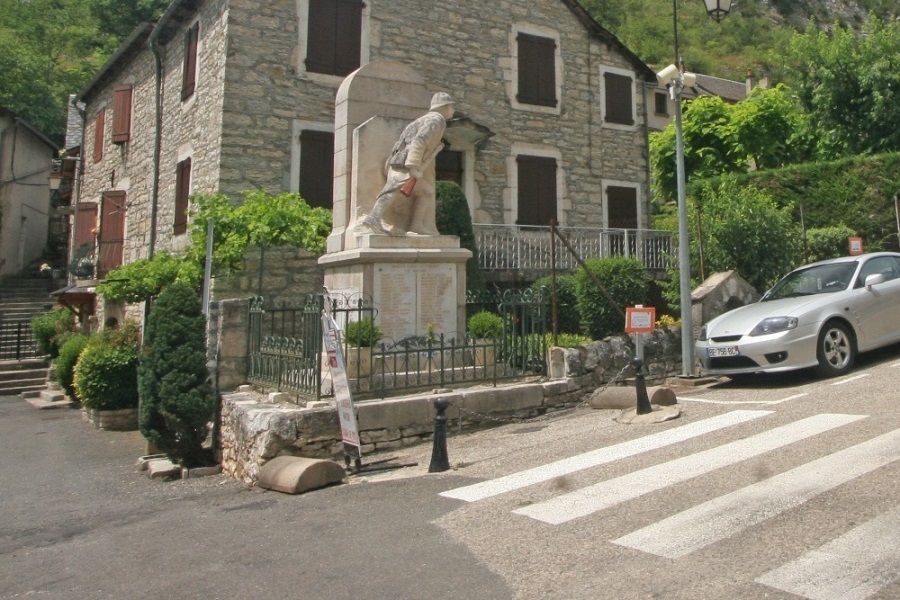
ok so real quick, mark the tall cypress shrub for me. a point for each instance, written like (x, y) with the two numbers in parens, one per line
(177, 401)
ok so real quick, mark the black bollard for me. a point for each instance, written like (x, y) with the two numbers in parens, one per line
(439, 459)
(643, 401)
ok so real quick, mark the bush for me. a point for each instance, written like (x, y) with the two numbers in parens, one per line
(106, 370)
(624, 279)
(177, 401)
(453, 218)
(566, 302)
(568, 340)
(64, 366)
(362, 333)
(828, 242)
(485, 324)
(47, 327)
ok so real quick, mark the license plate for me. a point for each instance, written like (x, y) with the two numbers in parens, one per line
(724, 351)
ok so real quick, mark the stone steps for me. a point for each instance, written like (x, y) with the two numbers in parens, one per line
(27, 376)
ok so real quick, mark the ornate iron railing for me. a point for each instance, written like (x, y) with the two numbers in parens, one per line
(529, 248)
(286, 348)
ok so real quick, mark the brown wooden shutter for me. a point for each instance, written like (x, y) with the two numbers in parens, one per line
(621, 207)
(112, 232)
(334, 36)
(537, 190)
(536, 70)
(317, 167)
(189, 72)
(182, 194)
(99, 126)
(85, 223)
(349, 36)
(618, 99)
(121, 114)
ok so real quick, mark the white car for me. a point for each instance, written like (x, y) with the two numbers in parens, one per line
(821, 315)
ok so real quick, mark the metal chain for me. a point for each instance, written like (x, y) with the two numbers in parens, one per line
(543, 417)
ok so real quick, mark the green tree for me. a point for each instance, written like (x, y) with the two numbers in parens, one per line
(772, 128)
(177, 401)
(849, 84)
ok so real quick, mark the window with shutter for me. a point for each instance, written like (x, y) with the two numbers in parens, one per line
(121, 114)
(182, 193)
(189, 73)
(619, 101)
(536, 70)
(112, 232)
(317, 167)
(99, 125)
(536, 190)
(334, 36)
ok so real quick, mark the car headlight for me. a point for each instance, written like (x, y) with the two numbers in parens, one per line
(702, 336)
(774, 325)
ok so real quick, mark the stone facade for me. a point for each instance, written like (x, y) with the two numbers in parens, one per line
(254, 430)
(253, 96)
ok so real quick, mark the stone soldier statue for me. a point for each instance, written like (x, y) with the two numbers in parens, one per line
(410, 174)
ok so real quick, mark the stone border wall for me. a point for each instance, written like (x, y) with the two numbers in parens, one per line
(254, 430)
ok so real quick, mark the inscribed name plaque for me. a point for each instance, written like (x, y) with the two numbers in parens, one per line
(411, 297)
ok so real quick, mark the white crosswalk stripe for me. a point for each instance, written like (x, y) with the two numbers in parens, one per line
(514, 481)
(608, 493)
(852, 567)
(727, 515)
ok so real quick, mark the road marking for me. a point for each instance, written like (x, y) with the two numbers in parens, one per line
(608, 493)
(514, 481)
(852, 567)
(727, 515)
(854, 378)
(708, 401)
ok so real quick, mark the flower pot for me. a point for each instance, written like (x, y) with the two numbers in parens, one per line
(358, 361)
(484, 352)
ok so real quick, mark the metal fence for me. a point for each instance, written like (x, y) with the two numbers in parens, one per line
(530, 248)
(286, 348)
(16, 340)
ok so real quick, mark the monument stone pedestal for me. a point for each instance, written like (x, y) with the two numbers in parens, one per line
(414, 282)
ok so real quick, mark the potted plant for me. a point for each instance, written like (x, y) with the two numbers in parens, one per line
(484, 327)
(360, 337)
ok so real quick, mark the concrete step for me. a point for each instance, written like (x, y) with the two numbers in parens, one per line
(20, 374)
(14, 388)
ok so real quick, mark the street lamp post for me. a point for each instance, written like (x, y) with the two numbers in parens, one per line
(676, 80)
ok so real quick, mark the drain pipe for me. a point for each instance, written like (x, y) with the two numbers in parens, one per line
(157, 144)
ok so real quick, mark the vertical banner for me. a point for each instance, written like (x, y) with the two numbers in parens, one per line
(343, 400)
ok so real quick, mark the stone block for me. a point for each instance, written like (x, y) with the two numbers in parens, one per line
(296, 475)
(383, 414)
(163, 468)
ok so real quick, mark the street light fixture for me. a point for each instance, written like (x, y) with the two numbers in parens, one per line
(676, 80)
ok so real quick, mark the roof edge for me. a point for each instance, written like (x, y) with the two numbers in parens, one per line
(138, 35)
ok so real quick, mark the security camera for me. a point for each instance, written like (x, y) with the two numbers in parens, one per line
(668, 75)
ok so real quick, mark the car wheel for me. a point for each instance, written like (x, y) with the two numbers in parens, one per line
(836, 350)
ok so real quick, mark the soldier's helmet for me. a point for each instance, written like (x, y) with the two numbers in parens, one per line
(441, 99)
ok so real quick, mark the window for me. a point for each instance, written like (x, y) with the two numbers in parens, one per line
(99, 125)
(112, 232)
(662, 104)
(536, 70)
(448, 165)
(317, 167)
(621, 207)
(334, 36)
(182, 193)
(536, 190)
(121, 114)
(618, 100)
(189, 72)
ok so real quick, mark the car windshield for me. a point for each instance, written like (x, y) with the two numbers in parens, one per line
(818, 279)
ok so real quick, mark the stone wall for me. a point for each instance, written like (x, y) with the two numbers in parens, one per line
(254, 429)
(288, 273)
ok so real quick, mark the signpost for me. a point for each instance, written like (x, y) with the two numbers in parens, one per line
(640, 320)
(343, 400)
(856, 245)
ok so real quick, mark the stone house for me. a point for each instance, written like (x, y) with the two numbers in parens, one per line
(216, 96)
(25, 156)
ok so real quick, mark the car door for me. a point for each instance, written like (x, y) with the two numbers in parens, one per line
(876, 308)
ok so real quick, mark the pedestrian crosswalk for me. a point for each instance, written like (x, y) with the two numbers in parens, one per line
(856, 565)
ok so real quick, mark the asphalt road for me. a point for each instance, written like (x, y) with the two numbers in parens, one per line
(780, 476)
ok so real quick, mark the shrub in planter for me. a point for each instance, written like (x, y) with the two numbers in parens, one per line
(48, 327)
(624, 279)
(64, 366)
(566, 302)
(106, 370)
(177, 401)
(360, 337)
